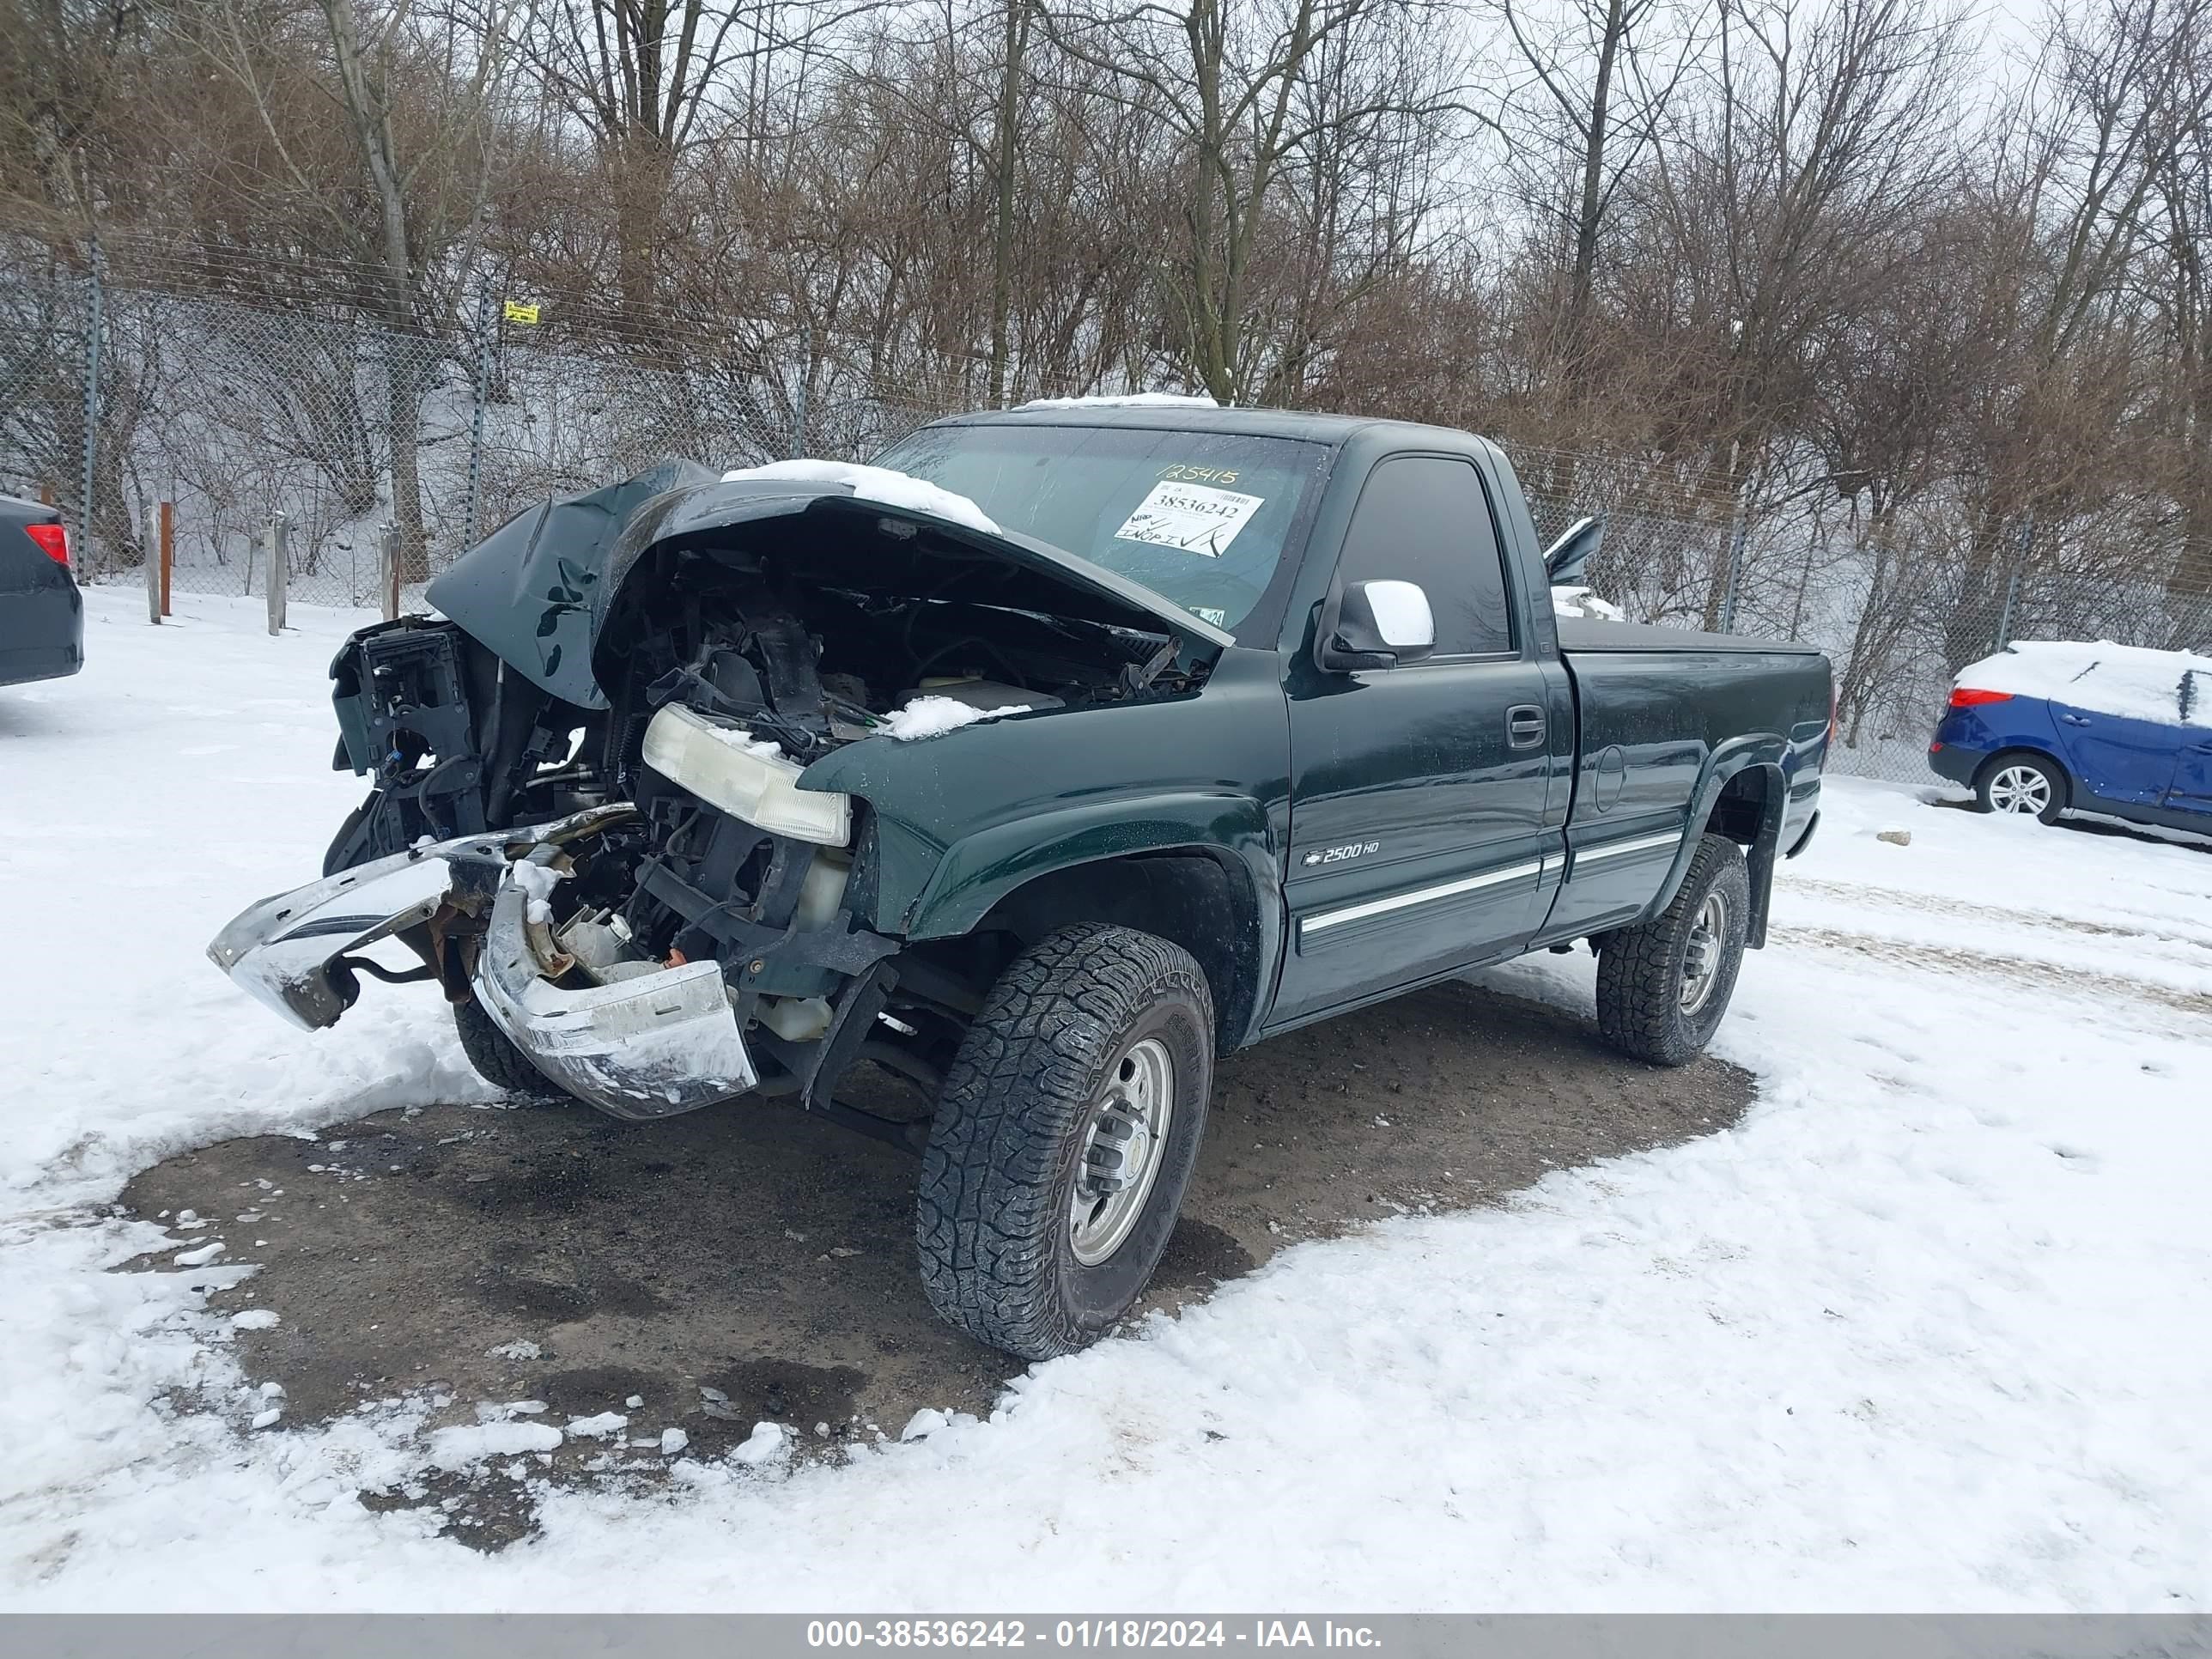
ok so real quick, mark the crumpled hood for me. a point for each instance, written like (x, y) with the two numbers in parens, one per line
(538, 591)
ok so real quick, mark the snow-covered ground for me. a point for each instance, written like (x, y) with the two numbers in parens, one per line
(1932, 1329)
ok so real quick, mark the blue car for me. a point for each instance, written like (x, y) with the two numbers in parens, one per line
(2046, 727)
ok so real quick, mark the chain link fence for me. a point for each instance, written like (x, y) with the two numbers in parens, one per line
(1900, 601)
(115, 395)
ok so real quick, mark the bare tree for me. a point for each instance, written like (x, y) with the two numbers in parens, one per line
(1597, 87)
(2114, 103)
(426, 198)
(1230, 79)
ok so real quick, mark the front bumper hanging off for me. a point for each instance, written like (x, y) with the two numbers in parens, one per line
(651, 1046)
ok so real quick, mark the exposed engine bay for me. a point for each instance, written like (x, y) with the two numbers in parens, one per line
(680, 922)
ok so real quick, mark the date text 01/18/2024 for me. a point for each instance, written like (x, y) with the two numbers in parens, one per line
(1128, 1632)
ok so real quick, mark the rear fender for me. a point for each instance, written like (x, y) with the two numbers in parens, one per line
(1762, 752)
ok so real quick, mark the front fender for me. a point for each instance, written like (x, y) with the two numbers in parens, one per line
(981, 869)
(957, 821)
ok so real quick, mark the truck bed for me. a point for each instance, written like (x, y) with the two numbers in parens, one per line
(1648, 734)
(1585, 635)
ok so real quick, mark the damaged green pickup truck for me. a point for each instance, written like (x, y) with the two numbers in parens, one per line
(980, 800)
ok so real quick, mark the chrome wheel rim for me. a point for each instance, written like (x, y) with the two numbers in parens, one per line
(1123, 1147)
(1701, 958)
(2020, 789)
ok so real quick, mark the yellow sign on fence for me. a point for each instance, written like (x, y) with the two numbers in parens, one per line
(518, 312)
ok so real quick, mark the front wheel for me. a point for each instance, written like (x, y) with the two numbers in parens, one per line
(1663, 985)
(2025, 786)
(1066, 1133)
(497, 1061)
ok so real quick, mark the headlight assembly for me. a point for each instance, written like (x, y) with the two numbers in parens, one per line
(745, 777)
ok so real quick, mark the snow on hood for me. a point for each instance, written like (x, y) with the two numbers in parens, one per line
(878, 484)
(1127, 400)
(927, 717)
(2130, 682)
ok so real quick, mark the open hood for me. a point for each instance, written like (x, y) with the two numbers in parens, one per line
(538, 590)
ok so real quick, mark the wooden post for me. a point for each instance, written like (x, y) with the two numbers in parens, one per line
(279, 571)
(149, 562)
(387, 569)
(168, 550)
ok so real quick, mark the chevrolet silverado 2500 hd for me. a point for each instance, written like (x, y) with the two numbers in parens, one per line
(1069, 750)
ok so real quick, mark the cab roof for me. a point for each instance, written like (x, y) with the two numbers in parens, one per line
(1307, 425)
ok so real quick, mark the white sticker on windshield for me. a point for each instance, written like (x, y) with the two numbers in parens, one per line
(1196, 518)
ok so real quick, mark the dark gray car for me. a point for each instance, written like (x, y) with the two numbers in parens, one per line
(41, 614)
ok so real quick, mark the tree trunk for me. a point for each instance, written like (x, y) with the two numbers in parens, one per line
(645, 169)
(362, 83)
(1211, 352)
(1592, 206)
(1003, 144)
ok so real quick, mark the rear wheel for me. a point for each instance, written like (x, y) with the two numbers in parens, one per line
(1065, 1136)
(497, 1061)
(1663, 985)
(2024, 786)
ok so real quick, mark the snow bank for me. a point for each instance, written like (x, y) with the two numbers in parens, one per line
(191, 762)
(929, 717)
(875, 484)
(2128, 681)
(1127, 400)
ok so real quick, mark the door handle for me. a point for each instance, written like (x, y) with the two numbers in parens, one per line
(2074, 719)
(1524, 725)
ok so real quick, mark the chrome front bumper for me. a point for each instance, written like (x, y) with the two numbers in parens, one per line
(649, 1047)
(661, 1042)
(285, 951)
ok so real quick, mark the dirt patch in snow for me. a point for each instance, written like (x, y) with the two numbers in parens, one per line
(749, 1264)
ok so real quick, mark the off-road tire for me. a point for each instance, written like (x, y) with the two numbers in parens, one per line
(998, 1177)
(333, 856)
(2054, 776)
(497, 1059)
(1640, 970)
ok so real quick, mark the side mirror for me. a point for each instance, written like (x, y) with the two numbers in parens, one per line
(1378, 624)
(1570, 555)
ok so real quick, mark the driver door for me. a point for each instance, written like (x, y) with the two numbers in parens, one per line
(1419, 793)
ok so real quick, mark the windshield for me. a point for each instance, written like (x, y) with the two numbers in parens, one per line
(1199, 518)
